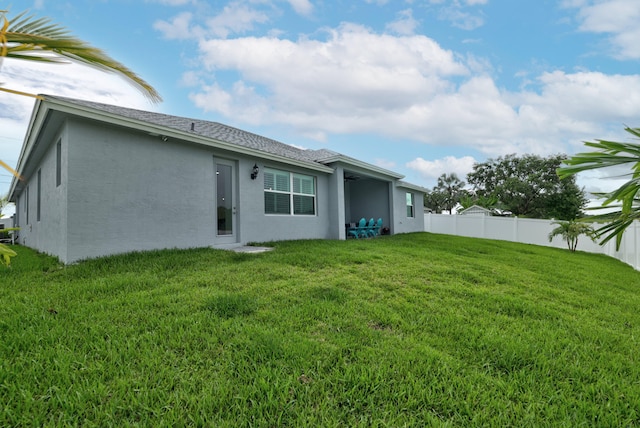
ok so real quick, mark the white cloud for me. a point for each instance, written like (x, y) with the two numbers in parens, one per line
(408, 88)
(461, 14)
(619, 18)
(461, 19)
(180, 27)
(435, 168)
(302, 7)
(405, 24)
(70, 80)
(385, 163)
(236, 17)
(602, 181)
(173, 2)
(592, 96)
(338, 85)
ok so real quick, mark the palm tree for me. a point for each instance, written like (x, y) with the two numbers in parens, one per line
(625, 198)
(451, 187)
(37, 39)
(570, 231)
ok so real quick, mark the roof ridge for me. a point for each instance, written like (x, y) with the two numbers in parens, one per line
(201, 127)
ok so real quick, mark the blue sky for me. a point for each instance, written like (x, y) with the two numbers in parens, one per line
(421, 87)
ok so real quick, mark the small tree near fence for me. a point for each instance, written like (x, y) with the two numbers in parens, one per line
(570, 231)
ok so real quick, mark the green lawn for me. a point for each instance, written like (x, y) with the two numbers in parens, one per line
(409, 330)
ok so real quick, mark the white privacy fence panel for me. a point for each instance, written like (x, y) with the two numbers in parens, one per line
(531, 231)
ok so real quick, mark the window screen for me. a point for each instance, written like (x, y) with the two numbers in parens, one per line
(288, 193)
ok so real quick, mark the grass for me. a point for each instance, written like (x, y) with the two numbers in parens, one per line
(409, 330)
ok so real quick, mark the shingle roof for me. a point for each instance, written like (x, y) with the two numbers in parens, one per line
(225, 134)
(203, 128)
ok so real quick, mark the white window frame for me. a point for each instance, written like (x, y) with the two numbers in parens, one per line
(411, 205)
(296, 186)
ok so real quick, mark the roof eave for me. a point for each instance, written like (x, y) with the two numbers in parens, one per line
(38, 114)
(360, 164)
(405, 185)
(71, 108)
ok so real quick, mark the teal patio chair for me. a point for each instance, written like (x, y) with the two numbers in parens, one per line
(359, 230)
(377, 228)
(370, 232)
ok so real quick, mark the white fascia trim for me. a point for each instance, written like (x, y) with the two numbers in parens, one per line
(405, 185)
(181, 135)
(38, 114)
(360, 164)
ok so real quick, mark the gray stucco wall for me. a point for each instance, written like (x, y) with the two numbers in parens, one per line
(256, 226)
(402, 223)
(47, 234)
(123, 191)
(126, 190)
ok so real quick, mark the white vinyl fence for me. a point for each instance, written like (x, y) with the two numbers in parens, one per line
(531, 231)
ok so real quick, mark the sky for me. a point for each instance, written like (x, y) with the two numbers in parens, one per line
(420, 87)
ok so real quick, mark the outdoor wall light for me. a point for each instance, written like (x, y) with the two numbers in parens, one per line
(255, 171)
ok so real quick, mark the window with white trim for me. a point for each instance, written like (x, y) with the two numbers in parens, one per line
(289, 193)
(410, 205)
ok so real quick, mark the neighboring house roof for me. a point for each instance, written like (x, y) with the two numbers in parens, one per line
(475, 209)
(195, 130)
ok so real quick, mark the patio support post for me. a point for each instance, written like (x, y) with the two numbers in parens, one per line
(336, 204)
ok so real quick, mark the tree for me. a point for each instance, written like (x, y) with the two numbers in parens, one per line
(450, 188)
(625, 198)
(435, 201)
(38, 39)
(570, 231)
(469, 199)
(529, 186)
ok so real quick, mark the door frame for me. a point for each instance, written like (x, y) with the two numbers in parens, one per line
(233, 237)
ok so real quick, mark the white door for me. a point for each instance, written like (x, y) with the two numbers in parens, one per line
(225, 197)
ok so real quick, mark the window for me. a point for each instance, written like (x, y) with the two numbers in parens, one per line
(410, 207)
(58, 163)
(39, 195)
(288, 193)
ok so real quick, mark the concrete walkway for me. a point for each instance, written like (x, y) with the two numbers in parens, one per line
(250, 249)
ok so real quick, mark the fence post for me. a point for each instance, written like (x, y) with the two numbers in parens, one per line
(455, 225)
(629, 254)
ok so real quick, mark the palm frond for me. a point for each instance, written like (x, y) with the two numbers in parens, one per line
(36, 39)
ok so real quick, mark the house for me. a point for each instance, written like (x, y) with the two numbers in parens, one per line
(101, 179)
(476, 210)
